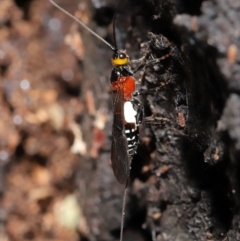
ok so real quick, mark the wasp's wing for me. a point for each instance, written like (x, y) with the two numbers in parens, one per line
(119, 152)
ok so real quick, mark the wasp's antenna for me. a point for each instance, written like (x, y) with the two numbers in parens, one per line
(114, 27)
(114, 31)
(83, 25)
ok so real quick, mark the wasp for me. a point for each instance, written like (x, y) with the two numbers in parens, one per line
(127, 110)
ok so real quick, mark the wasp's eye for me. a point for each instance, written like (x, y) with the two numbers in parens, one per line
(122, 55)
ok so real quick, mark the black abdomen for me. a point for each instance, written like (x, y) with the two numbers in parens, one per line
(131, 132)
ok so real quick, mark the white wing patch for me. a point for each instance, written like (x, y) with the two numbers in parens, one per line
(129, 112)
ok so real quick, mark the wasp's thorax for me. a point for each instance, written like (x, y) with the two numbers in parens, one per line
(120, 58)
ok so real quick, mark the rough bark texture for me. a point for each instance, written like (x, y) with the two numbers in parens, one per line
(185, 176)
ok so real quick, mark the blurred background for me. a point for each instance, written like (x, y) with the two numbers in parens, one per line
(41, 141)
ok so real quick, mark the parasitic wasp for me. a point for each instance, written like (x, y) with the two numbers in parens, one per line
(127, 110)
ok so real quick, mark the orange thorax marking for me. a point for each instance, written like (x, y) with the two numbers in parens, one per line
(126, 84)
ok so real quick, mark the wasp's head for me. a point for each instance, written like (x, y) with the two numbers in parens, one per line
(120, 57)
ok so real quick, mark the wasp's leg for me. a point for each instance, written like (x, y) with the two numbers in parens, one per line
(137, 105)
(137, 61)
(151, 62)
(156, 121)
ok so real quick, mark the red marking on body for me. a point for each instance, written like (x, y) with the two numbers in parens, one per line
(127, 85)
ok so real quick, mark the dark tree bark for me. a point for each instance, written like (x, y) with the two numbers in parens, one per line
(184, 178)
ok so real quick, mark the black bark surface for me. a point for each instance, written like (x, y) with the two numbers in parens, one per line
(184, 178)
